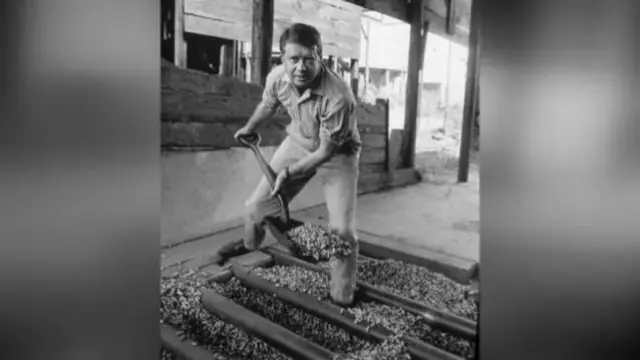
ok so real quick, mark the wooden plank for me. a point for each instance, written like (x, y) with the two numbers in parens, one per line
(411, 103)
(261, 40)
(185, 349)
(355, 77)
(435, 12)
(212, 27)
(458, 269)
(222, 10)
(189, 95)
(372, 168)
(374, 140)
(372, 182)
(394, 153)
(372, 129)
(372, 156)
(181, 106)
(385, 104)
(198, 82)
(197, 136)
(471, 86)
(368, 114)
(179, 47)
(337, 21)
(275, 335)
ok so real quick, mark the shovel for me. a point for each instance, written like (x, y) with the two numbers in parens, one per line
(275, 210)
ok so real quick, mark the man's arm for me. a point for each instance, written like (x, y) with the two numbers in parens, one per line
(334, 128)
(263, 112)
(267, 107)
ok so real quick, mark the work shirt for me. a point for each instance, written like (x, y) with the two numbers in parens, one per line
(325, 110)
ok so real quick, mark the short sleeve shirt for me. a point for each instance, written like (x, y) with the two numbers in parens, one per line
(325, 110)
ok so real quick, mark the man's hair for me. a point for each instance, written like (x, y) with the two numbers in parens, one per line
(301, 34)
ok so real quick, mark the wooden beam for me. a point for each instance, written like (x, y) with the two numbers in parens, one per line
(179, 47)
(416, 47)
(451, 17)
(226, 60)
(355, 77)
(261, 40)
(236, 58)
(435, 13)
(471, 86)
(367, 54)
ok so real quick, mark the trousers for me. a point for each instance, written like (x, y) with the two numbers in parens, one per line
(339, 179)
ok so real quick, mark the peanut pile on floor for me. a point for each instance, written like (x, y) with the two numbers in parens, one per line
(318, 242)
(181, 308)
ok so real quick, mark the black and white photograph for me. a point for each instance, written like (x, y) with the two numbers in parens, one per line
(320, 180)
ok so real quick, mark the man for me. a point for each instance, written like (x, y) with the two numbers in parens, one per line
(322, 140)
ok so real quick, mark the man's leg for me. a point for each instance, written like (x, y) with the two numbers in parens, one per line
(287, 154)
(340, 179)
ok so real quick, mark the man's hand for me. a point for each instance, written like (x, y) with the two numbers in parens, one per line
(245, 130)
(280, 180)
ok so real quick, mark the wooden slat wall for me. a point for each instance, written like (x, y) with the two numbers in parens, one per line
(338, 21)
(373, 124)
(201, 112)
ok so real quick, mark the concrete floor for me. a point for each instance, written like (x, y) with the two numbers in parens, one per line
(441, 216)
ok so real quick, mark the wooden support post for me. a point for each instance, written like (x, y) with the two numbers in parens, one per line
(451, 17)
(366, 61)
(355, 77)
(179, 46)
(261, 40)
(387, 77)
(416, 47)
(471, 86)
(226, 60)
(235, 59)
(447, 96)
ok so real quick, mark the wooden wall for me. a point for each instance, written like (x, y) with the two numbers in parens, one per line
(201, 112)
(338, 21)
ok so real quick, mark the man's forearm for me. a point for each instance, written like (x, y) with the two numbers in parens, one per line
(261, 114)
(310, 163)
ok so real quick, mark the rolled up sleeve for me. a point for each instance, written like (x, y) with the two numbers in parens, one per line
(335, 124)
(270, 95)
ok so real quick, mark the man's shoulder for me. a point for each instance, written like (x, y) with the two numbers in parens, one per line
(276, 74)
(338, 90)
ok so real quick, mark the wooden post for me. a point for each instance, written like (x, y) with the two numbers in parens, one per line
(226, 60)
(416, 47)
(355, 76)
(235, 58)
(451, 17)
(179, 47)
(366, 61)
(387, 77)
(471, 85)
(261, 40)
(447, 97)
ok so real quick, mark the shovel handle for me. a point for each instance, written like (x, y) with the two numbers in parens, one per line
(251, 141)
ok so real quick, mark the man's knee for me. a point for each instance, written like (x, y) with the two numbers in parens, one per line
(251, 212)
(345, 233)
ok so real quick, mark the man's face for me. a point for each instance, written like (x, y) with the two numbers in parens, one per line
(301, 63)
